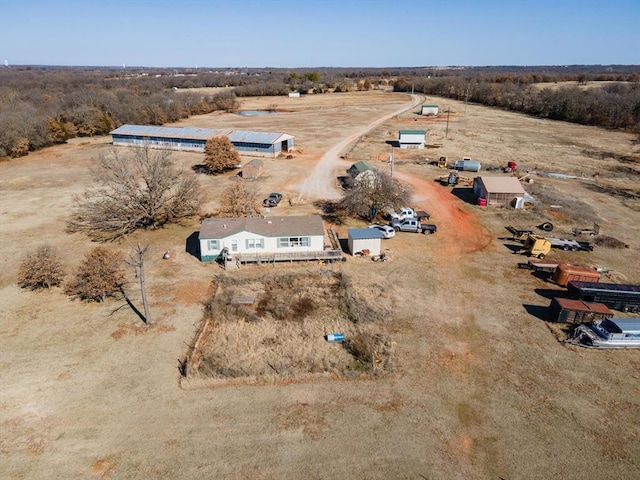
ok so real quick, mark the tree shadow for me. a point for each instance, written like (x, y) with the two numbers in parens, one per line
(192, 245)
(537, 311)
(201, 168)
(132, 306)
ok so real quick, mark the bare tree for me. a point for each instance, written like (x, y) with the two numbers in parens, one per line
(136, 189)
(220, 155)
(373, 191)
(41, 269)
(100, 275)
(238, 199)
(136, 260)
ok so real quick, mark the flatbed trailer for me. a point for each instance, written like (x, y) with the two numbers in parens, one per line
(541, 267)
(570, 244)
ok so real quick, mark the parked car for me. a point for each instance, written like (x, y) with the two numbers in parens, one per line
(272, 200)
(386, 230)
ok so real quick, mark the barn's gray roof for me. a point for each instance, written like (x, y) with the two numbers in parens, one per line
(214, 228)
(193, 133)
(170, 132)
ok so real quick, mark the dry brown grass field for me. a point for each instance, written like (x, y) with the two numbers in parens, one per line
(481, 386)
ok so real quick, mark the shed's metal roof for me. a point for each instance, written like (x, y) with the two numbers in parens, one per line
(365, 233)
(193, 133)
(413, 132)
(216, 228)
(256, 163)
(502, 185)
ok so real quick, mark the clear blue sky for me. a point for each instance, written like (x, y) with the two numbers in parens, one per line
(319, 33)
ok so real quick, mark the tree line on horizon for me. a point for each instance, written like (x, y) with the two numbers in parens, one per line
(44, 106)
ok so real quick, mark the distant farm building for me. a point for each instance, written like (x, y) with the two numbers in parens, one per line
(429, 110)
(294, 94)
(253, 169)
(499, 191)
(260, 144)
(412, 138)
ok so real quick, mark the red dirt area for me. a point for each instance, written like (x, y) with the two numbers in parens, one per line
(462, 229)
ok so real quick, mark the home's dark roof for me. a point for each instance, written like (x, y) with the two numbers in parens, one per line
(213, 228)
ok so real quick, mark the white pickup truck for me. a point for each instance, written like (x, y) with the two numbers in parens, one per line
(407, 212)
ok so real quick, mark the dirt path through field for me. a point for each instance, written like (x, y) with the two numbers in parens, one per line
(320, 183)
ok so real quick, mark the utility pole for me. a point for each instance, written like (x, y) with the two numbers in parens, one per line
(446, 132)
(391, 161)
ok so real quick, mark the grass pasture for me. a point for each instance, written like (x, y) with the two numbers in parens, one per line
(478, 385)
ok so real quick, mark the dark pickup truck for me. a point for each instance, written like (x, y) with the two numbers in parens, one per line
(413, 225)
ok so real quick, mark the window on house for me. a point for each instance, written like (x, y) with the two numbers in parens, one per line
(213, 244)
(284, 242)
(253, 243)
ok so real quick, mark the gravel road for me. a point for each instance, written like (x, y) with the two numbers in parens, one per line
(320, 183)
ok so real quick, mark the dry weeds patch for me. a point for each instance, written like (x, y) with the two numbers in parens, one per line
(275, 325)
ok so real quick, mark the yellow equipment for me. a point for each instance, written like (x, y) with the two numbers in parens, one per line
(442, 162)
(536, 246)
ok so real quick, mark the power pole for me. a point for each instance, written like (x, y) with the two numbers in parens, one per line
(446, 132)
(391, 161)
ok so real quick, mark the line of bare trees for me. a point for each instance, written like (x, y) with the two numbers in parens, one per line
(42, 108)
(614, 105)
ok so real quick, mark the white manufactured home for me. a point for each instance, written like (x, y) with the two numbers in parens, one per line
(412, 138)
(259, 239)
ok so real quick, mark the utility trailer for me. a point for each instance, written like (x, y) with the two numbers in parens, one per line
(539, 267)
(569, 244)
(587, 231)
(625, 298)
(518, 233)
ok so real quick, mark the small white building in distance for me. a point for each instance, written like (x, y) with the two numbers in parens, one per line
(294, 94)
(429, 110)
(412, 138)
